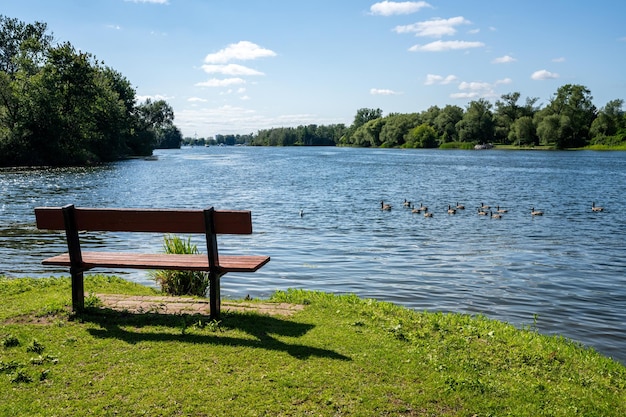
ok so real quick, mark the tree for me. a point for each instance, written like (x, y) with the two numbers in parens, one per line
(446, 121)
(574, 102)
(396, 127)
(609, 121)
(523, 131)
(477, 124)
(422, 136)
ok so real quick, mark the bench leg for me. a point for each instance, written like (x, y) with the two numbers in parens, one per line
(78, 290)
(214, 295)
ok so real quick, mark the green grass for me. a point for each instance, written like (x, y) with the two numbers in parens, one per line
(341, 355)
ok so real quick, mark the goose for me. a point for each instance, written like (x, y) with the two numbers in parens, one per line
(499, 210)
(482, 213)
(594, 208)
(384, 207)
(406, 203)
(495, 215)
(451, 210)
(534, 212)
(427, 213)
(483, 206)
(460, 206)
(415, 210)
(422, 207)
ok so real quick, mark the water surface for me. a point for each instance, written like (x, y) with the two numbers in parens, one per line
(566, 268)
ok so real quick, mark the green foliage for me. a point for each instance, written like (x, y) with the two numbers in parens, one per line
(59, 106)
(181, 282)
(9, 341)
(422, 136)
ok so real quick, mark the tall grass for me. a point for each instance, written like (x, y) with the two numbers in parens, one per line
(181, 282)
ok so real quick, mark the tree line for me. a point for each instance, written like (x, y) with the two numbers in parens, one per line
(60, 106)
(569, 120)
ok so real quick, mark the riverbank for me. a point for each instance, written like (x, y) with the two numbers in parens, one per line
(337, 355)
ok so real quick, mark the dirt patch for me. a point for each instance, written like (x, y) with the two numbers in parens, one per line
(184, 305)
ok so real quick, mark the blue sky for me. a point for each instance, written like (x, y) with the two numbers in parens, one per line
(238, 66)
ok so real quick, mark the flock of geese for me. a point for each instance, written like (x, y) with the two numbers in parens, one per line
(483, 209)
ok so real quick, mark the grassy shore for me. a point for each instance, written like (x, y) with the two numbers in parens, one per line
(339, 356)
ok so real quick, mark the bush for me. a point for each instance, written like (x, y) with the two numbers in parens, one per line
(181, 282)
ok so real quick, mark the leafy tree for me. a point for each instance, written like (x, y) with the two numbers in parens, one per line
(523, 131)
(446, 121)
(609, 121)
(477, 124)
(422, 136)
(59, 106)
(574, 103)
(396, 127)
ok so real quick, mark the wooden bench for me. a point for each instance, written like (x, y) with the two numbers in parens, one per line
(209, 222)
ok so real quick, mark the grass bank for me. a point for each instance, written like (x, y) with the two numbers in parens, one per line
(340, 355)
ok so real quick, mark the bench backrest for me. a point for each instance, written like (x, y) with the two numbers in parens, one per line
(145, 220)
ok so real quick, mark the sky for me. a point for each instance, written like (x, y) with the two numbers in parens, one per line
(239, 66)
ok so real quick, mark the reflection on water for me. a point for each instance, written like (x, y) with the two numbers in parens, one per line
(566, 266)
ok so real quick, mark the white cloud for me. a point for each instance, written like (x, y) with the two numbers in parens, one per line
(214, 82)
(155, 97)
(435, 28)
(389, 8)
(244, 98)
(439, 46)
(114, 27)
(383, 92)
(478, 89)
(464, 95)
(504, 59)
(197, 100)
(544, 75)
(230, 69)
(439, 79)
(559, 59)
(241, 51)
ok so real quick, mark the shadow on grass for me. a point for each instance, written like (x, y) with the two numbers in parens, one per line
(127, 327)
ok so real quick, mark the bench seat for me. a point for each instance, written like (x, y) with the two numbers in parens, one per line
(227, 263)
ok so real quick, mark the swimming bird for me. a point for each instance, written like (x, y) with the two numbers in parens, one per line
(301, 213)
(415, 210)
(427, 213)
(483, 206)
(594, 208)
(495, 215)
(422, 207)
(499, 210)
(534, 212)
(451, 210)
(460, 206)
(406, 203)
(481, 213)
(384, 207)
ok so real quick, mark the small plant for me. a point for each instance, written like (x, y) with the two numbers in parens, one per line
(181, 282)
(92, 301)
(21, 376)
(35, 347)
(10, 341)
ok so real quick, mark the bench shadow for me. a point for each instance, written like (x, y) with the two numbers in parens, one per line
(127, 326)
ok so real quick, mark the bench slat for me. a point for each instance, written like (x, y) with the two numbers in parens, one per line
(146, 220)
(228, 263)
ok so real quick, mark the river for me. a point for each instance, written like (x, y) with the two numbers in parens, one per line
(564, 272)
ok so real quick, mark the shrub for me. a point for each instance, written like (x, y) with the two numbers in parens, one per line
(181, 282)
